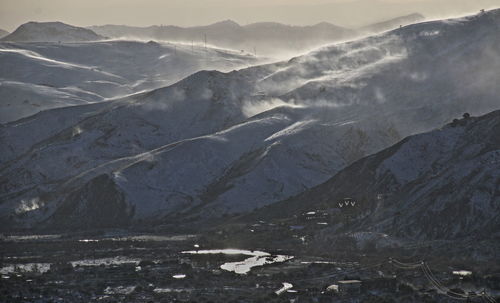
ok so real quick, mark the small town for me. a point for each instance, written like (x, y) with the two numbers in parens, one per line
(149, 268)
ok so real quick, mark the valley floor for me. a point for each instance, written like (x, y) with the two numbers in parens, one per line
(118, 266)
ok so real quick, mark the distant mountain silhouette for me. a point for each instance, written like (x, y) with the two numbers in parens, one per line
(51, 32)
(265, 37)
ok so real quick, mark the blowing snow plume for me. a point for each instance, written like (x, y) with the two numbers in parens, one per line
(252, 108)
(333, 106)
(314, 164)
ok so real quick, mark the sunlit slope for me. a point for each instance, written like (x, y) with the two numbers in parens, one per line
(38, 76)
(223, 143)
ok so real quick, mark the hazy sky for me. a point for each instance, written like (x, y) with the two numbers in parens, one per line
(200, 12)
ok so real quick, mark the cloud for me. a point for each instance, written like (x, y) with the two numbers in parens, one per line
(252, 108)
(165, 101)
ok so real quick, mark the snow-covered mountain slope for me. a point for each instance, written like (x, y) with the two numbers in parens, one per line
(51, 32)
(419, 76)
(38, 76)
(444, 184)
(217, 143)
(268, 38)
(235, 170)
(24, 99)
(100, 137)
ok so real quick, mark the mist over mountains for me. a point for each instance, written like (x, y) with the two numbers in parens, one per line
(216, 144)
(251, 163)
(265, 38)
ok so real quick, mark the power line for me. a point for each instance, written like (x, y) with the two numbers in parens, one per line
(434, 281)
(402, 265)
(446, 291)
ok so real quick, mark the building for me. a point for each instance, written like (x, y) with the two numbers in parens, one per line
(462, 273)
(333, 288)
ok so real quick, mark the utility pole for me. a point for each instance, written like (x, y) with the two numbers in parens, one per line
(255, 51)
(205, 37)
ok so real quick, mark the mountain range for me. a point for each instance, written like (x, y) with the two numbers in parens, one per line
(438, 185)
(39, 76)
(265, 38)
(216, 144)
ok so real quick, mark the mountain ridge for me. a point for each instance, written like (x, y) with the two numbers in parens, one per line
(333, 106)
(264, 37)
(401, 190)
(51, 32)
(38, 76)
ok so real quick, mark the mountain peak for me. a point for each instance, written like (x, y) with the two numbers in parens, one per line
(227, 22)
(54, 31)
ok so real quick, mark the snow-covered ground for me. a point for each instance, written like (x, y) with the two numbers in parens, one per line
(217, 143)
(39, 76)
(441, 185)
